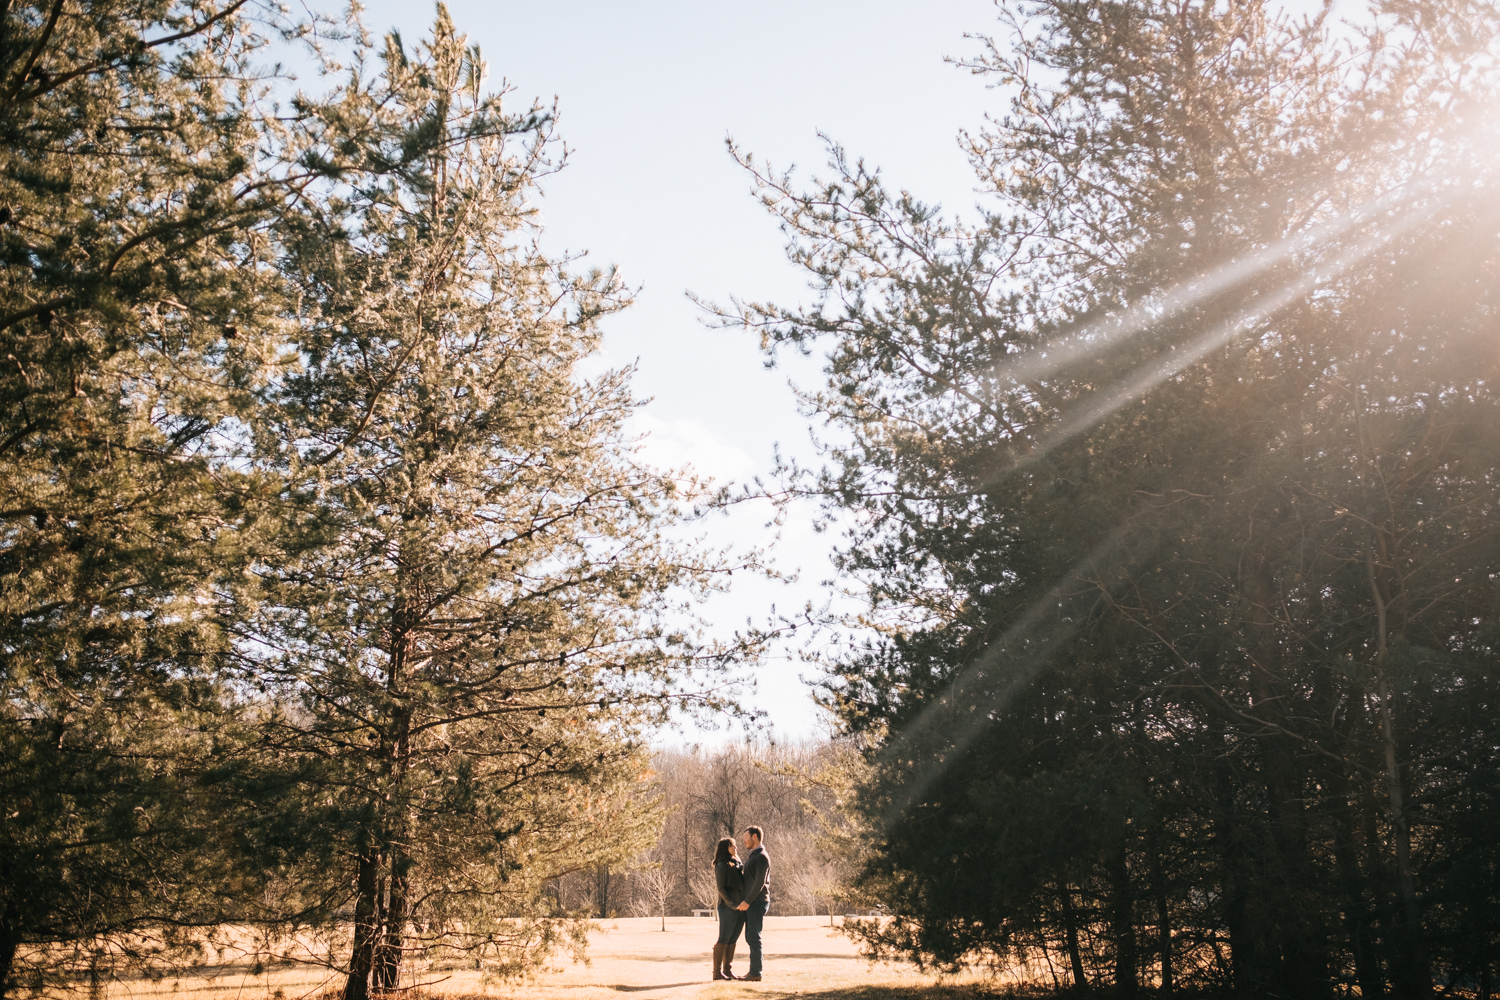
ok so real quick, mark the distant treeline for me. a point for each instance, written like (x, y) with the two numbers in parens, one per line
(709, 794)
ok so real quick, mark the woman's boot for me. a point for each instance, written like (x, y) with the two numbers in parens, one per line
(719, 962)
(729, 957)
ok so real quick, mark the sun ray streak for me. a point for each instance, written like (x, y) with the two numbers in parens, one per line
(978, 694)
(1156, 309)
(1177, 358)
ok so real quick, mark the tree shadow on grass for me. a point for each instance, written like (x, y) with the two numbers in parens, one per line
(659, 986)
(966, 991)
(938, 991)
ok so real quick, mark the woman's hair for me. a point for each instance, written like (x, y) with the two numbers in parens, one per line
(724, 851)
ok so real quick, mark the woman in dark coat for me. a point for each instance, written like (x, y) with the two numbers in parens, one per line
(729, 878)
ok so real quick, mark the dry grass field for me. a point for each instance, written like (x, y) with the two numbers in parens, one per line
(805, 958)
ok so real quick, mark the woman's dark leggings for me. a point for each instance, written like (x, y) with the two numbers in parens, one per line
(731, 922)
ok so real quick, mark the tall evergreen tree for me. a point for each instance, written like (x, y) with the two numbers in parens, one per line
(1140, 464)
(467, 597)
(135, 299)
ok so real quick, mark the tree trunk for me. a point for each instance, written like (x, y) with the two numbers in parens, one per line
(10, 941)
(1164, 945)
(687, 867)
(1358, 921)
(378, 958)
(1409, 970)
(392, 894)
(601, 889)
(392, 940)
(1122, 925)
(1410, 973)
(1070, 930)
(1296, 960)
(1245, 916)
(362, 958)
(1163, 916)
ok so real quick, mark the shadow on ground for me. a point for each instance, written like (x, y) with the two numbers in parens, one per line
(645, 989)
(939, 992)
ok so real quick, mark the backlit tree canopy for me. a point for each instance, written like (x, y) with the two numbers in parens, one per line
(469, 597)
(333, 598)
(1170, 480)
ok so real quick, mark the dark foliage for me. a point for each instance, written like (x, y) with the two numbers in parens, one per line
(1172, 483)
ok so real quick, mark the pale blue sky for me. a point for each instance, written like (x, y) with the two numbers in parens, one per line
(648, 92)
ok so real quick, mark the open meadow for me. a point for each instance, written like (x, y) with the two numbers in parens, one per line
(804, 957)
(1075, 544)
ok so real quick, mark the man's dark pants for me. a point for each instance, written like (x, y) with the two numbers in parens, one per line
(755, 917)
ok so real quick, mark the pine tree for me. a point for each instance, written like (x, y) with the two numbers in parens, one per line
(135, 294)
(466, 603)
(1114, 455)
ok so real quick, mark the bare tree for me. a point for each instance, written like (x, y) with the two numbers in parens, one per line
(721, 800)
(658, 881)
(714, 793)
(703, 888)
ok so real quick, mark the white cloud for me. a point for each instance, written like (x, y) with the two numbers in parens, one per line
(690, 445)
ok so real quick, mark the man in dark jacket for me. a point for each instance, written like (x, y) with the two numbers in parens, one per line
(757, 897)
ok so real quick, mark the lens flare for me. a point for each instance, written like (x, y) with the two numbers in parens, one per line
(977, 696)
(979, 693)
(1157, 309)
(1179, 357)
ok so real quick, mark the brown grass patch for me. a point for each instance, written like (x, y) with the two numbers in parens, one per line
(805, 958)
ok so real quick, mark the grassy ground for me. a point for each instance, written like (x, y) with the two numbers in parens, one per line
(805, 958)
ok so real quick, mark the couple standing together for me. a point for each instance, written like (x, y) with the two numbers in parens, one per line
(744, 897)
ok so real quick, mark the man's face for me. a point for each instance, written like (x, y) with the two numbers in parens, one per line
(751, 841)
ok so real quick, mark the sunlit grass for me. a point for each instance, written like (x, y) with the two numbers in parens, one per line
(805, 957)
